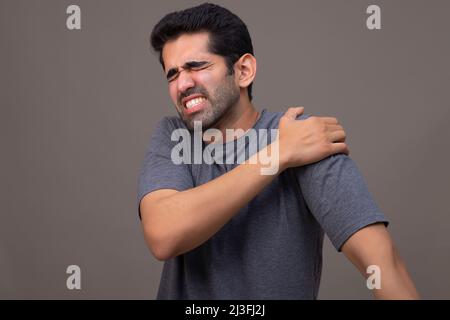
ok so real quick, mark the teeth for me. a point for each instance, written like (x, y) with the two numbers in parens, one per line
(192, 103)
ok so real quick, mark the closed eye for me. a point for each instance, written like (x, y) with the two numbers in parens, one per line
(194, 65)
(173, 73)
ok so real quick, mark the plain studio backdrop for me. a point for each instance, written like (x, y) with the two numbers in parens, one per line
(78, 108)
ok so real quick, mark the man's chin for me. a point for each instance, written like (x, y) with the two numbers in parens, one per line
(189, 121)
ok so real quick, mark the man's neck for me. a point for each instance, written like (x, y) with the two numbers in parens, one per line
(243, 116)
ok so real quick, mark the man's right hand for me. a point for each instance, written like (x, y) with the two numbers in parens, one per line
(302, 142)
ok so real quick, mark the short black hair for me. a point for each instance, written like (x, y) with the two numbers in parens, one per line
(228, 34)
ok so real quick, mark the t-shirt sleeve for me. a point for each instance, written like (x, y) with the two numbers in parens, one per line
(338, 197)
(158, 171)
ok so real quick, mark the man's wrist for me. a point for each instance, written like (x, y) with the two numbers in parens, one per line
(283, 159)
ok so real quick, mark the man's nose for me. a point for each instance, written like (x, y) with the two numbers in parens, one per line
(185, 81)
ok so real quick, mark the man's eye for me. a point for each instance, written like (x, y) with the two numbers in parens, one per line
(172, 77)
(200, 67)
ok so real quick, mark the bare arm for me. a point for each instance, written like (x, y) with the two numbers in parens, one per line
(373, 246)
(176, 222)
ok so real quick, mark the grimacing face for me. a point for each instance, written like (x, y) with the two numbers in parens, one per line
(200, 85)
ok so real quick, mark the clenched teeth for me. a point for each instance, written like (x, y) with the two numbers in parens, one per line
(192, 103)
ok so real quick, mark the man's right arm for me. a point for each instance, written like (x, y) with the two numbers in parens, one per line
(176, 222)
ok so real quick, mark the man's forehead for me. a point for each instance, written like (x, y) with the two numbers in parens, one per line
(186, 48)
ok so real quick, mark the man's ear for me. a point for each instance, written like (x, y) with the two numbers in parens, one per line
(245, 70)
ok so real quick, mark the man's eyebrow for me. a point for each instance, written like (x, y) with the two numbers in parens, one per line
(194, 64)
(187, 65)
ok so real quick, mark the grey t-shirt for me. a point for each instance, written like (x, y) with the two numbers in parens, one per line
(272, 248)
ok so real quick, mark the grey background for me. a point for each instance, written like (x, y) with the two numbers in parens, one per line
(78, 108)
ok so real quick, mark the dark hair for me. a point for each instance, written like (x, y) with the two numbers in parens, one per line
(228, 34)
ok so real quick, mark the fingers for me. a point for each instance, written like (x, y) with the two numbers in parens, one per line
(294, 112)
(334, 127)
(340, 147)
(330, 120)
(337, 136)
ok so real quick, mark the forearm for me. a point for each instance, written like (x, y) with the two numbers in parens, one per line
(396, 282)
(187, 219)
(373, 246)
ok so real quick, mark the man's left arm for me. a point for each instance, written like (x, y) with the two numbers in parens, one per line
(337, 196)
(373, 246)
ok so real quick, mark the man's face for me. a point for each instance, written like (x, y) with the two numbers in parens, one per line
(199, 82)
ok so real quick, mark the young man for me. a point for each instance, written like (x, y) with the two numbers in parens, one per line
(224, 229)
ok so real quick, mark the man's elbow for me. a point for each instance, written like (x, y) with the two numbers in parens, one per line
(159, 233)
(160, 253)
(159, 244)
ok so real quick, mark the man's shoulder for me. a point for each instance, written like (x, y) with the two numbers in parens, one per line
(171, 122)
(166, 126)
(271, 119)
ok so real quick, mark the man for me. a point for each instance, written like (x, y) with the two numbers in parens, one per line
(225, 230)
